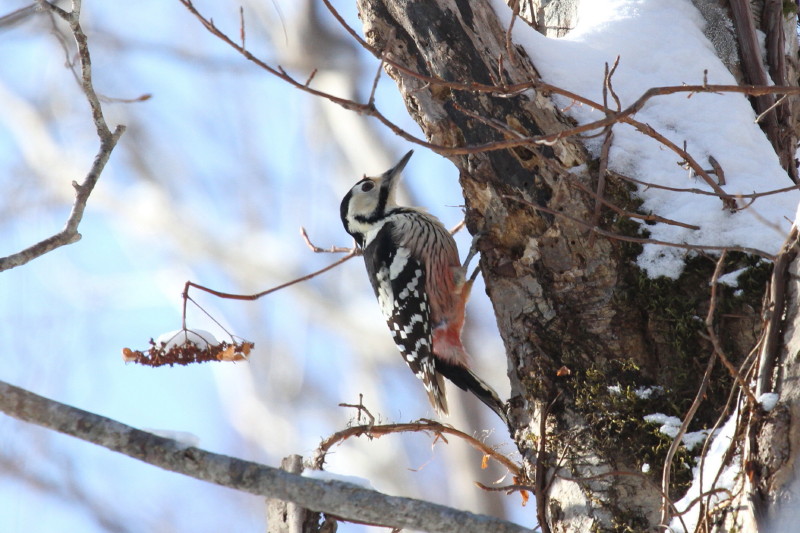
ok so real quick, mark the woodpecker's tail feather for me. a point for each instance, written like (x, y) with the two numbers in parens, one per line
(465, 379)
(435, 388)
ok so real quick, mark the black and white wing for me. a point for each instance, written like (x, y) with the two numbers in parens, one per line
(398, 279)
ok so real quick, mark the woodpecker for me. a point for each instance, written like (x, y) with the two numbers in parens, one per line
(413, 266)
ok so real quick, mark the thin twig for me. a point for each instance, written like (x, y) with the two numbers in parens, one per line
(378, 71)
(712, 335)
(108, 140)
(704, 452)
(499, 89)
(649, 184)
(604, 151)
(458, 227)
(629, 214)
(780, 100)
(361, 409)
(775, 307)
(509, 45)
(717, 169)
(310, 78)
(728, 201)
(607, 85)
(242, 34)
(330, 250)
(278, 71)
(734, 372)
(676, 442)
(423, 426)
(542, 485)
(256, 296)
(18, 15)
(491, 122)
(640, 240)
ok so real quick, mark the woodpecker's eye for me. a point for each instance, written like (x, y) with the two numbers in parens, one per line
(367, 186)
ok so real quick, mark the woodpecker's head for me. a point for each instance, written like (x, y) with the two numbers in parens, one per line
(365, 205)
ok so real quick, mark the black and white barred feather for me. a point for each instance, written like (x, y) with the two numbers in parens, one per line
(413, 266)
(399, 283)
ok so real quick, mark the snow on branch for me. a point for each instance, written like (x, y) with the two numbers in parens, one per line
(108, 141)
(344, 500)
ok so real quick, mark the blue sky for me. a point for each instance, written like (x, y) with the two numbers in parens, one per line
(211, 182)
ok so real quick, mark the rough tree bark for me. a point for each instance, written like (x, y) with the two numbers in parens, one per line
(572, 309)
(773, 438)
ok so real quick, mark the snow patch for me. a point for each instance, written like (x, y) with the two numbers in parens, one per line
(324, 475)
(731, 279)
(203, 339)
(183, 438)
(646, 392)
(711, 465)
(661, 43)
(671, 425)
(768, 400)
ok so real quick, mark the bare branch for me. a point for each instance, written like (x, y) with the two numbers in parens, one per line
(501, 89)
(108, 140)
(666, 506)
(628, 214)
(649, 184)
(717, 169)
(345, 500)
(712, 336)
(278, 71)
(727, 200)
(18, 15)
(242, 33)
(330, 250)
(361, 409)
(256, 296)
(604, 151)
(641, 240)
(775, 306)
(422, 425)
(760, 117)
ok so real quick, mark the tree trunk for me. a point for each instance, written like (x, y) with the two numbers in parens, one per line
(770, 489)
(288, 517)
(575, 314)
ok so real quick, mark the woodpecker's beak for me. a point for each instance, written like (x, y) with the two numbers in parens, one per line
(389, 180)
(395, 171)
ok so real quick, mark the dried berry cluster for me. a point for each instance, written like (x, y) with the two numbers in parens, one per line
(183, 354)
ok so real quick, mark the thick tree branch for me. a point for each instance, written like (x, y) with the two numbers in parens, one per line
(345, 500)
